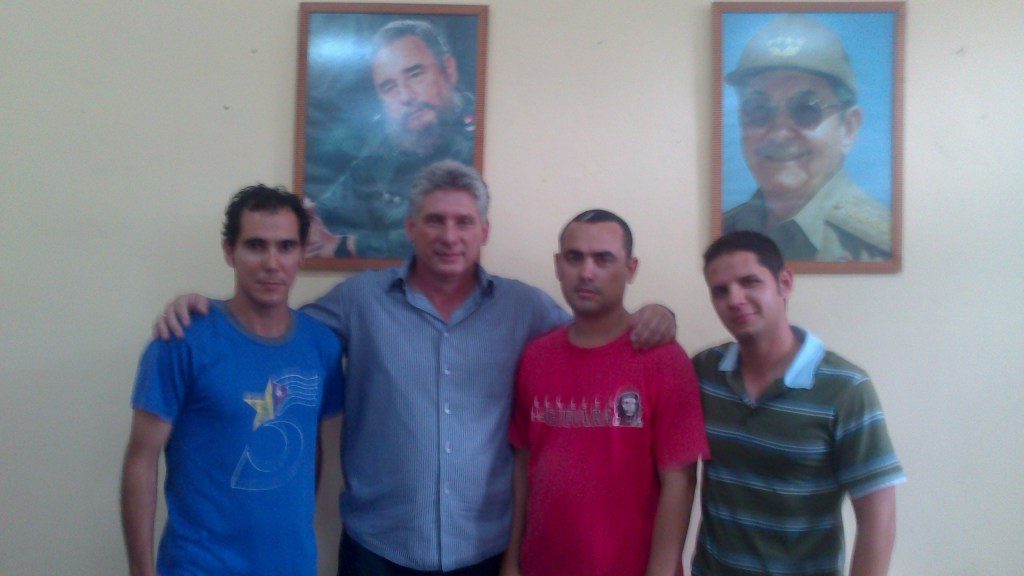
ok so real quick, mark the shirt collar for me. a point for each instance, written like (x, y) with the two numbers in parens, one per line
(800, 373)
(484, 281)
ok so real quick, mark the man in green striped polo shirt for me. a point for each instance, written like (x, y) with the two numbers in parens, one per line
(793, 428)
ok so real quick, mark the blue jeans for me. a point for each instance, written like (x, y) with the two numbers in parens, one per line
(355, 560)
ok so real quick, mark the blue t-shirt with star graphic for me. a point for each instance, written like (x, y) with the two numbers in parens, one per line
(244, 411)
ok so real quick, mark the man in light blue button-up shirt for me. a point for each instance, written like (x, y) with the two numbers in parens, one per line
(431, 354)
(426, 457)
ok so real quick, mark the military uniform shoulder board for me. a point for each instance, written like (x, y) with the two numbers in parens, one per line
(864, 217)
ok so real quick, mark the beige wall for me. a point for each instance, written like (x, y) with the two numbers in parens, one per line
(125, 125)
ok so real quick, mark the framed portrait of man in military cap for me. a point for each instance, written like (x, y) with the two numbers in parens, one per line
(808, 130)
(384, 90)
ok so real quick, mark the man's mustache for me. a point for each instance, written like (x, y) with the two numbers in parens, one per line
(416, 109)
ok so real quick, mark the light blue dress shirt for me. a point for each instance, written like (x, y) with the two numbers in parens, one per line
(427, 463)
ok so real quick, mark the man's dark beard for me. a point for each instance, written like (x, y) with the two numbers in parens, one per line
(432, 138)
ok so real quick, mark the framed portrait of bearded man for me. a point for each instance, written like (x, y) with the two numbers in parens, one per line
(384, 90)
(808, 130)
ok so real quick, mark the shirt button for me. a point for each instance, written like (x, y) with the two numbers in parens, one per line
(447, 408)
(448, 447)
(447, 490)
(447, 371)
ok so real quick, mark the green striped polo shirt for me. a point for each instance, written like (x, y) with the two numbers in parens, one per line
(772, 493)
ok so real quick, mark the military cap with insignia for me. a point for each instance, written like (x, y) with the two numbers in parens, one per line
(794, 42)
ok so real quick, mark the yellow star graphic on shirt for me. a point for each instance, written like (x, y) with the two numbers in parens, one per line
(263, 405)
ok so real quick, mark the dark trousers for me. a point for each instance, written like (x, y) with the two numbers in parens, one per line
(355, 560)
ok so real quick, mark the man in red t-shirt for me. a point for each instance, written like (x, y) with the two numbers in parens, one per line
(607, 438)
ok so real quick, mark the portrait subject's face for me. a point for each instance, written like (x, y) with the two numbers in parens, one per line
(416, 91)
(447, 235)
(629, 405)
(592, 267)
(790, 160)
(266, 257)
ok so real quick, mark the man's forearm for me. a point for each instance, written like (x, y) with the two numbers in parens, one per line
(138, 511)
(672, 521)
(148, 437)
(876, 533)
(520, 488)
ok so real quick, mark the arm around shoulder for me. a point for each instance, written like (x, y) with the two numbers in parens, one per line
(653, 325)
(176, 317)
(331, 309)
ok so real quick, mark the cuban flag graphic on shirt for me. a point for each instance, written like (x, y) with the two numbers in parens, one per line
(271, 457)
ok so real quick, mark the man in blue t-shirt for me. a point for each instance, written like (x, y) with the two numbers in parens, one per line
(236, 407)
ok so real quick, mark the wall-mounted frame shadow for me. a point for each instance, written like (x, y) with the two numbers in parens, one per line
(808, 130)
(383, 90)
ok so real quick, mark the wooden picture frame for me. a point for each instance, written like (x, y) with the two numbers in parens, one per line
(382, 91)
(778, 67)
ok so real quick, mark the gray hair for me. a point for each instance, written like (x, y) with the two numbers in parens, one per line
(449, 175)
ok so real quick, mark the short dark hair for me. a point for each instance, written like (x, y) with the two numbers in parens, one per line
(262, 198)
(761, 246)
(418, 28)
(596, 215)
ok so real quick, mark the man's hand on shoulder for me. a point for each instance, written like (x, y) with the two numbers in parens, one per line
(653, 325)
(176, 317)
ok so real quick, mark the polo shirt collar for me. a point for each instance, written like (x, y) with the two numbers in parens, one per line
(800, 373)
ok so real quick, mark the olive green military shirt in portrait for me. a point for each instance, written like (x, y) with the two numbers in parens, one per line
(840, 223)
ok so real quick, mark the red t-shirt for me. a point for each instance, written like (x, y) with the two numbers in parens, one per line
(599, 423)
